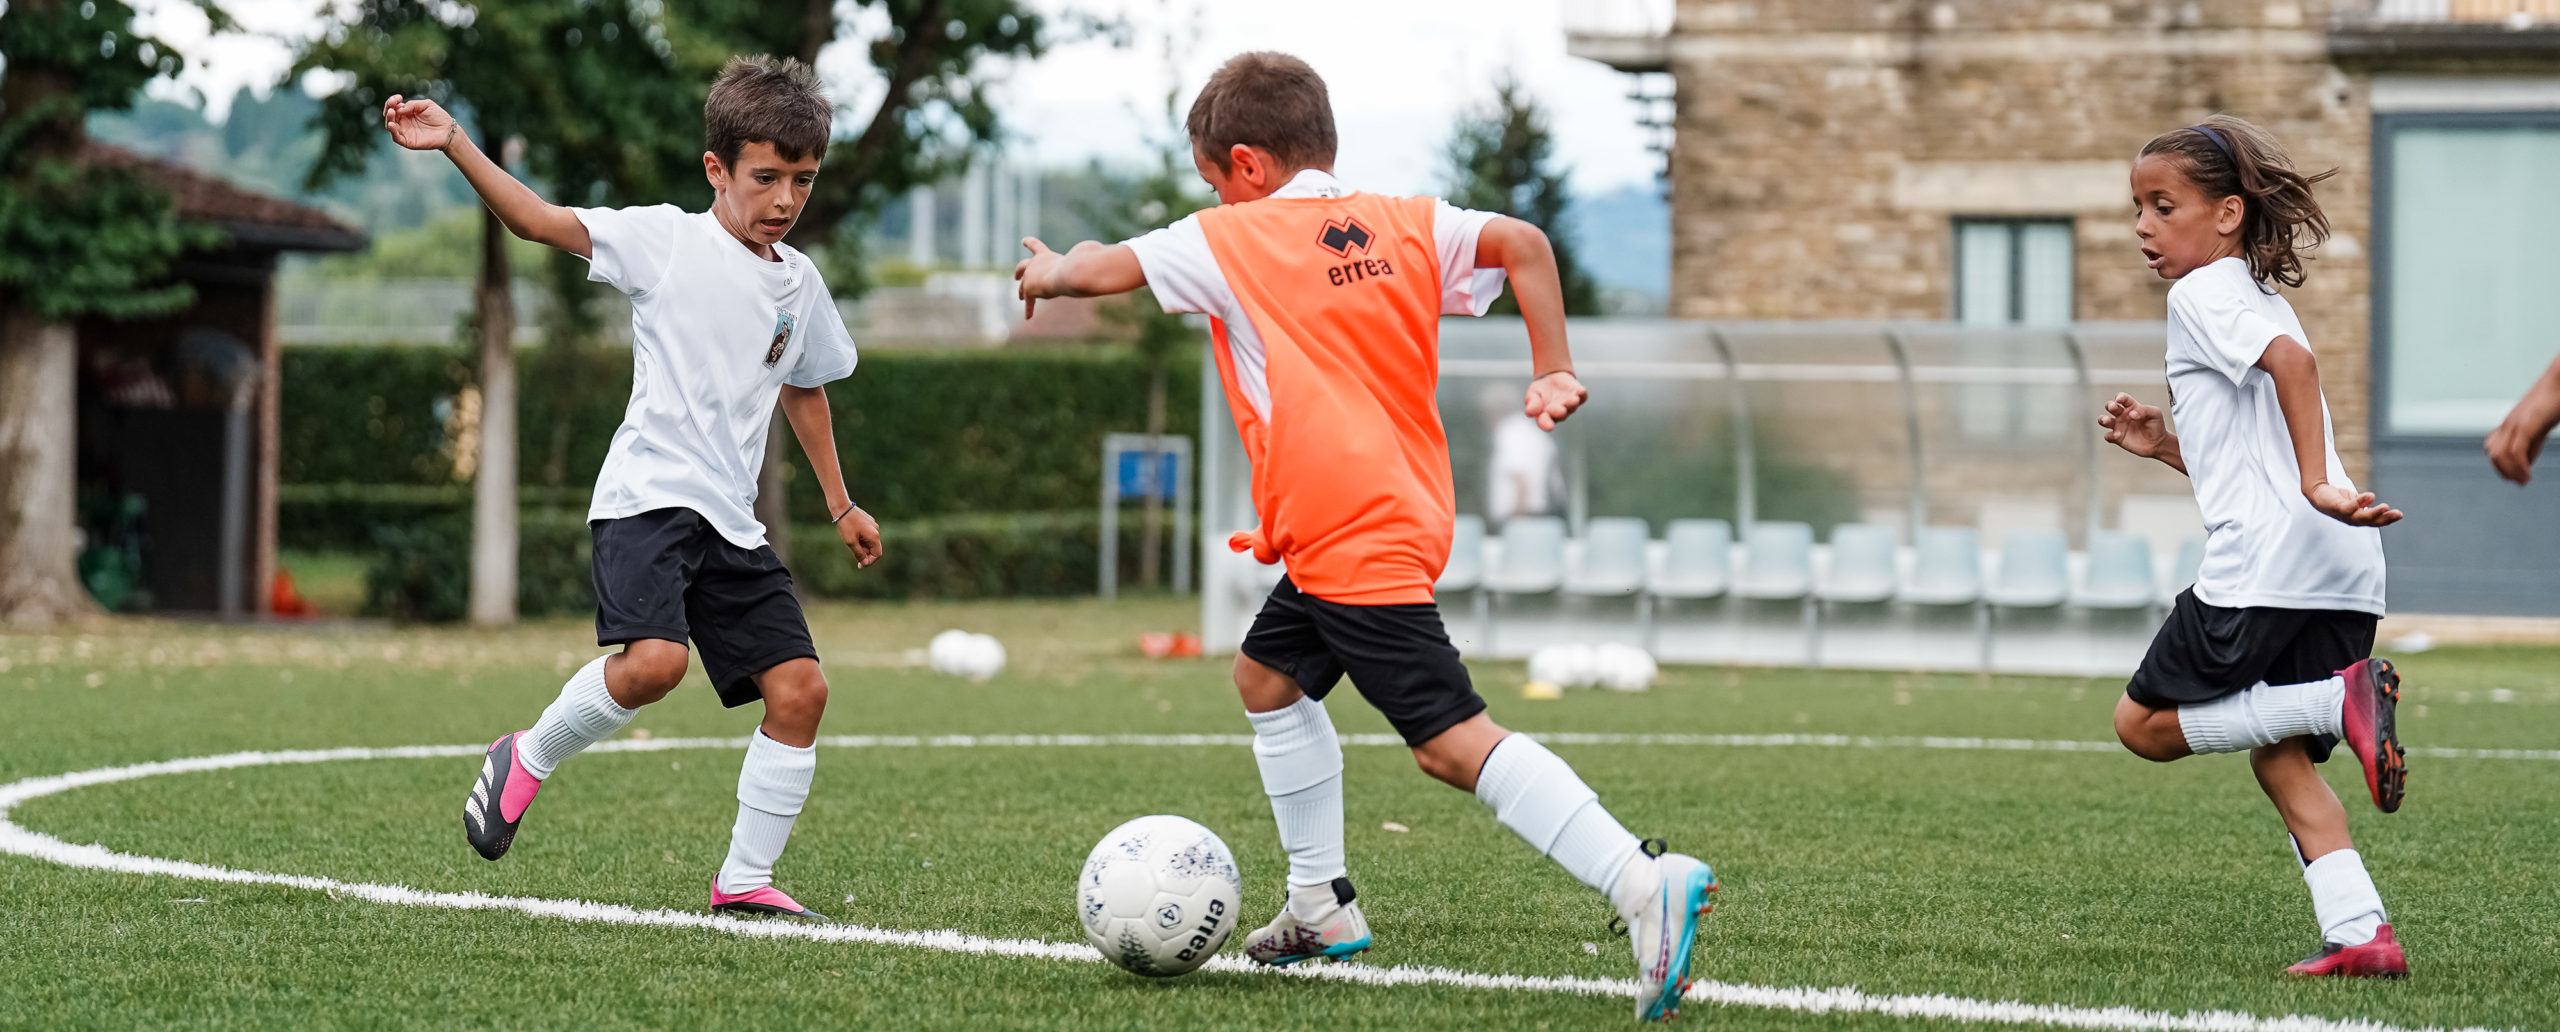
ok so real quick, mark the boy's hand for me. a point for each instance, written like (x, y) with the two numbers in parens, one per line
(1033, 274)
(2134, 426)
(2517, 441)
(2358, 510)
(860, 533)
(1553, 397)
(419, 124)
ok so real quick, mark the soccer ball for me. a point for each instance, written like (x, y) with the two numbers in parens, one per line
(1159, 895)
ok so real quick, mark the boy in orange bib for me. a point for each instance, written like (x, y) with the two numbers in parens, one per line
(1325, 305)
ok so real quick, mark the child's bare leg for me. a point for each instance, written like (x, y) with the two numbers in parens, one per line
(2310, 810)
(782, 759)
(2343, 898)
(2152, 734)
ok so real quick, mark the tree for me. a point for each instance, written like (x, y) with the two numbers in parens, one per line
(595, 99)
(75, 241)
(1501, 159)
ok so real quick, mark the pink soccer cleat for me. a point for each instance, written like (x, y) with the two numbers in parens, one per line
(765, 902)
(2373, 691)
(498, 799)
(2380, 958)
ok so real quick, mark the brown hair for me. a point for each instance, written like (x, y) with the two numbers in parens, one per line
(2227, 156)
(1264, 99)
(766, 99)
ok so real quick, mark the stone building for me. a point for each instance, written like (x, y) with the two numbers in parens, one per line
(1967, 161)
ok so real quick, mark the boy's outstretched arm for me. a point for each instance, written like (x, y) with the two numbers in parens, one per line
(2297, 379)
(424, 125)
(1089, 269)
(2518, 439)
(806, 408)
(1528, 259)
(2138, 429)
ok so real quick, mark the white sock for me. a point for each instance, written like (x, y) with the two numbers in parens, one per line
(583, 715)
(2265, 715)
(2343, 898)
(1301, 763)
(1536, 794)
(771, 788)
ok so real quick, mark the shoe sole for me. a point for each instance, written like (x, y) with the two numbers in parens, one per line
(1334, 954)
(769, 910)
(1676, 982)
(2390, 762)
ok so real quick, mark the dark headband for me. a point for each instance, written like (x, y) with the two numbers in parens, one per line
(2219, 143)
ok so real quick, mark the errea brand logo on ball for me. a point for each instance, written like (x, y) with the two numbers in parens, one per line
(1168, 915)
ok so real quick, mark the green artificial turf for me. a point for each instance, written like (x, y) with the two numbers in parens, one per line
(2087, 879)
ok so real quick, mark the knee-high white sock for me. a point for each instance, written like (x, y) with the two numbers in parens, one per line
(2265, 715)
(2343, 898)
(1301, 764)
(1534, 793)
(771, 789)
(583, 715)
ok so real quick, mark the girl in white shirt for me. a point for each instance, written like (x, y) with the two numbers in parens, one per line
(2269, 652)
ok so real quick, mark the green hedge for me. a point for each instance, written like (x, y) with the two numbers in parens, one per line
(919, 434)
(420, 571)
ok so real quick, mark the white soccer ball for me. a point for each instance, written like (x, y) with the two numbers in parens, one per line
(1159, 895)
(1624, 668)
(962, 654)
(1565, 666)
(944, 653)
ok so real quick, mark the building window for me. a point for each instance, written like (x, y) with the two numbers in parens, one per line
(2012, 272)
(2465, 266)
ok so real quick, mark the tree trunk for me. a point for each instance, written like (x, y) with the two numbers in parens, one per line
(1151, 520)
(39, 526)
(493, 489)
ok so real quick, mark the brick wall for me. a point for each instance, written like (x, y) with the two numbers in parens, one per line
(1825, 146)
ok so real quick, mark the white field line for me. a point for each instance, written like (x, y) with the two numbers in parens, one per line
(20, 841)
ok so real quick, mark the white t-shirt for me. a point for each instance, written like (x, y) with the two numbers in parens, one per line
(715, 333)
(1184, 274)
(2264, 543)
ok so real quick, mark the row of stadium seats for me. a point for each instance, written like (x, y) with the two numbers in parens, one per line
(1776, 561)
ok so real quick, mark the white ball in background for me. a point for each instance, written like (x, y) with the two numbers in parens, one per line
(985, 657)
(1582, 666)
(1625, 668)
(1547, 666)
(944, 654)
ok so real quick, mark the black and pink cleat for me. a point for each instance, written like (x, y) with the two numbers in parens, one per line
(498, 799)
(2373, 692)
(2380, 958)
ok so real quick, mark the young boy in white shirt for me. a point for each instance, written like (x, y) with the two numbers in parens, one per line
(726, 320)
(2269, 652)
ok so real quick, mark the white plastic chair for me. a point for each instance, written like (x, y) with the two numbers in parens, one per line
(1946, 567)
(2035, 571)
(1697, 560)
(2119, 576)
(1532, 563)
(1466, 556)
(1777, 566)
(1777, 561)
(1612, 558)
(1862, 564)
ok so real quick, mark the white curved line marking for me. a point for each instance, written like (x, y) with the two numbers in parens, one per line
(18, 840)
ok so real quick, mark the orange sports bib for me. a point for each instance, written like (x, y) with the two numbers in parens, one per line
(1351, 469)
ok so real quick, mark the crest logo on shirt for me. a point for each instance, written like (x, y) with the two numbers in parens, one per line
(782, 325)
(1344, 236)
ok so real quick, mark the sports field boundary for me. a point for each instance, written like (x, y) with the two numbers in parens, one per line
(21, 841)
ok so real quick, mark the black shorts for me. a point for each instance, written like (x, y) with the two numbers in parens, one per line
(2206, 652)
(667, 574)
(1399, 657)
